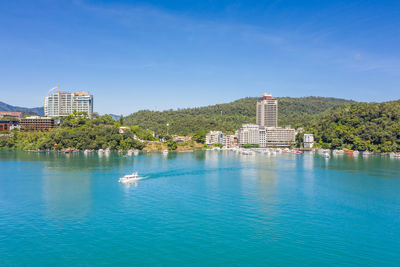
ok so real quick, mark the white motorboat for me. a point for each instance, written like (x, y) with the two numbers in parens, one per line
(130, 178)
(165, 152)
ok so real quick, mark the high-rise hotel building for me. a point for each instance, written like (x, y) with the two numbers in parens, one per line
(266, 131)
(65, 103)
(267, 111)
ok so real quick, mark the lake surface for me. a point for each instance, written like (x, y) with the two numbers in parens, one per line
(199, 209)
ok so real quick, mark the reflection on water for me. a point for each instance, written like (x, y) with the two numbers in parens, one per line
(199, 155)
(212, 158)
(308, 161)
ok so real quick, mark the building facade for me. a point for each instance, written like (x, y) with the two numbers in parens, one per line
(8, 125)
(65, 103)
(215, 137)
(275, 136)
(4, 126)
(15, 114)
(36, 123)
(262, 138)
(308, 140)
(249, 134)
(229, 141)
(265, 136)
(267, 111)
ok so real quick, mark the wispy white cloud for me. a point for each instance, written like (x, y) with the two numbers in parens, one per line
(312, 42)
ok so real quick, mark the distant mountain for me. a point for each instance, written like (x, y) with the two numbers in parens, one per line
(229, 117)
(115, 117)
(25, 111)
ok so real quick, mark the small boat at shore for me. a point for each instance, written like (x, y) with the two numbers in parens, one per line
(326, 155)
(246, 152)
(338, 152)
(367, 153)
(165, 152)
(394, 155)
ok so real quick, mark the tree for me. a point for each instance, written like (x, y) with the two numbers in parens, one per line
(172, 144)
(200, 136)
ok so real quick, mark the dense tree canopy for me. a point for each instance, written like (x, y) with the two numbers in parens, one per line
(79, 133)
(361, 126)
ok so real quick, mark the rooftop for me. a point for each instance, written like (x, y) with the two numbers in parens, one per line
(266, 96)
(37, 118)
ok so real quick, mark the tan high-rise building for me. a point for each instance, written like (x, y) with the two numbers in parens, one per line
(267, 111)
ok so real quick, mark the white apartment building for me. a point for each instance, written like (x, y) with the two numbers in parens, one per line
(215, 137)
(249, 134)
(65, 103)
(308, 140)
(267, 111)
(262, 138)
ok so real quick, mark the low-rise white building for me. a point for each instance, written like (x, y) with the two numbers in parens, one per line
(308, 140)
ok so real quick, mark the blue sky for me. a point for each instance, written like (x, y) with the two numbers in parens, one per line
(136, 55)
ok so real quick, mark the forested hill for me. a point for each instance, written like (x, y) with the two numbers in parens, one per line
(229, 117)
(360, 126)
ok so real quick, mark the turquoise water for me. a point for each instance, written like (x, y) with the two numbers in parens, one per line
(199, 209)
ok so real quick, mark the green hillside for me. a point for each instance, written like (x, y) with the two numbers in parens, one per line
(229, 117)
(360, 126)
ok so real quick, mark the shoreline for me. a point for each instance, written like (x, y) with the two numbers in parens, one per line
(238, 150)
